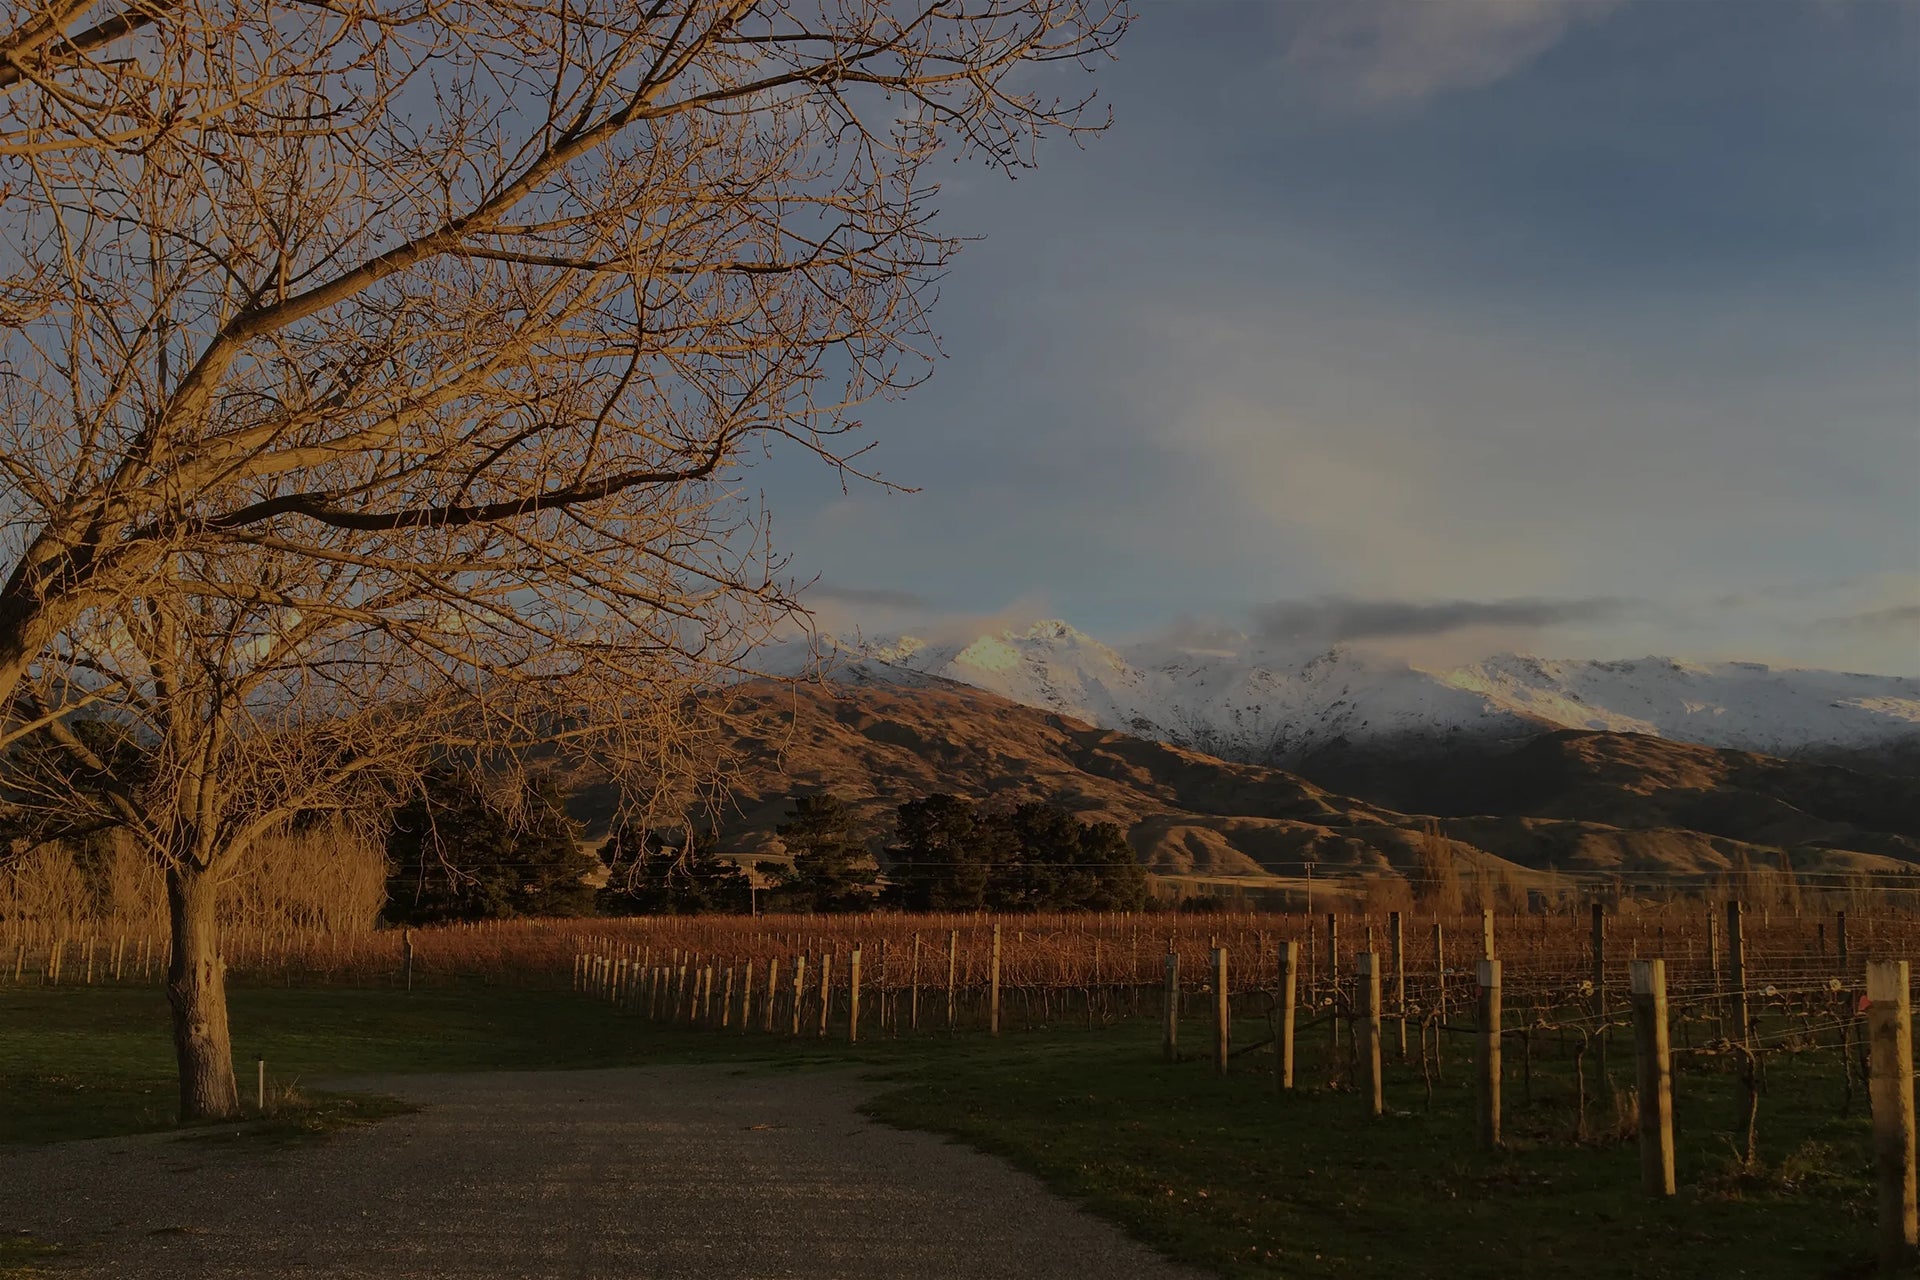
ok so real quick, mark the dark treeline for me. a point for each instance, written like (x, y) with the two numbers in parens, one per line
(458, 852)
(950, 855)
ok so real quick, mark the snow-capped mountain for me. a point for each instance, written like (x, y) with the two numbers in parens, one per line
(1259, 707)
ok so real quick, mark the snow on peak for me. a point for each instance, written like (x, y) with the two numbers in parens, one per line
(1269, 707)
(900, 650)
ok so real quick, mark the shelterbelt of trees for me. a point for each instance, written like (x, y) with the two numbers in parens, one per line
(460, 853)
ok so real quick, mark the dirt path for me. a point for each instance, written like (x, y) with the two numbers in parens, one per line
(650, 1174)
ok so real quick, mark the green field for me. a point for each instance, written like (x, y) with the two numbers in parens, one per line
(1219, 1172)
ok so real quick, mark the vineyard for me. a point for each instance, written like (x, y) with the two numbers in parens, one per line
(1526, 991)
(1600, 1008)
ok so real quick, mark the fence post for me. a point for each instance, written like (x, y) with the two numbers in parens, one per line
(1890, 1035)
(746, 997)
(993, 986)
(1486, 933)
(406, 957)
(799, 988)
(1840, 937)
(1649, 989)
(768, 1014)
(826, 991)
(953, 970)
(1366, 998)
(1289, 983)
(1396, 941)
(1489, 1058)
(1222, 1012)
(1737, 974)
(1333, 1005)
(1600, 983)
(913, 1002)
(1599, 961)
(1439, 999)
(1713, 948)
(1170, 1006)
(853, 997)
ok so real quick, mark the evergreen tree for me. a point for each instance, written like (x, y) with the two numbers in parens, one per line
(942, 855)
(455, 853)
(947, 855)
(832, 870)
(647, 875)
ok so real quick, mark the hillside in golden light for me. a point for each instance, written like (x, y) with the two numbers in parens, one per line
(1565, 802)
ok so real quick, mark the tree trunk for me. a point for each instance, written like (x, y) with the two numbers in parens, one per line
(197, 991)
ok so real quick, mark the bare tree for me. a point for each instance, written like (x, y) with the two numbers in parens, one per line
(378, 378)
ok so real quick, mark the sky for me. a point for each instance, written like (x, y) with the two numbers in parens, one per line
(1589, 328)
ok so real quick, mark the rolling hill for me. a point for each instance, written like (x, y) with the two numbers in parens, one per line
(1561, 802)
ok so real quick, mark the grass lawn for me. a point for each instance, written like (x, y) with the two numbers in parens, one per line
(1218, 1172)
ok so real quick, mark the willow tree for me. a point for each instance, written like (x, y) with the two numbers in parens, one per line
(377, 378)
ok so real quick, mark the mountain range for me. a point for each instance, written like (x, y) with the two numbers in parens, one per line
(1560, 802)
(1222, 767)
(1344, 703)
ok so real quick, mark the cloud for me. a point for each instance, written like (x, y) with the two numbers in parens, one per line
(1334, 618)
(881, 597)
(1373, 53)
(1900, 617)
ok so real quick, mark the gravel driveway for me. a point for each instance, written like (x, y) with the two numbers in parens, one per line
(655, 1173)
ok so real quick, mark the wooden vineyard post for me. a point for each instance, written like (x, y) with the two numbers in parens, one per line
(853, 997)
(1599, 945)
(726, 1000)
(913, 1001)
(746, 997)
(260, 1086)
(768, 1014)
(953, 971)
(1840, 938)
(1396, 941)
(1170, 1007)
(1649, 985)
(1222, 1013)
(1486, 933)
(826, 991)
(1713, 949)
(1489, 1058)
(1890, 1075)
(1333, 1004)
(799, 989)
(993, 986)
(406, 958)
(1736, 975)
(1366, 999)
(1283, 1035)
(1439, 999)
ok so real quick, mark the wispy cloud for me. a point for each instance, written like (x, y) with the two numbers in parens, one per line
(1899, 618)
(1383, 52)
(880, 597)
(1331, 618)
